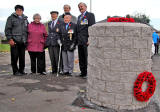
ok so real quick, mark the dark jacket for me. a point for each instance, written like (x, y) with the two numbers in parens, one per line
(68, 39)
(82, 29)
(53, 34)
(16, 28)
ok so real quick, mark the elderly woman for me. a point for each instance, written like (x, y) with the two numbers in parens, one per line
(36, 41)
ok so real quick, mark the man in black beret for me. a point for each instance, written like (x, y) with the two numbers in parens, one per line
(53, 40)
(16, 33)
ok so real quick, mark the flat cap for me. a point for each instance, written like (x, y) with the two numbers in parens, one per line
(54, 12)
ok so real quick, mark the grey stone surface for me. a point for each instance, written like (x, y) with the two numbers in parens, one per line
(118, 53)
(123, 42)
(130, 53)
(139, 43)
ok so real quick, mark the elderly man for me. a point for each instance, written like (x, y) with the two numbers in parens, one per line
(68, 38)
(16, 33)
(67, 9)
(85, 20)
(52, 41)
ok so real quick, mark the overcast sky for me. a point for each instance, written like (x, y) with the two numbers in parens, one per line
(101, 8)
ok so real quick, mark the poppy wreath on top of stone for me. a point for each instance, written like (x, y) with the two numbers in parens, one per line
(120, 19)
(138, 93)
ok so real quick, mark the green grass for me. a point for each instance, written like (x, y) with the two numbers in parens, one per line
(4, 47)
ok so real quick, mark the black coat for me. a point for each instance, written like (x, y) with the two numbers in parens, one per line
(17, 28)
(65, 36)
(82, 29)
(53, 34)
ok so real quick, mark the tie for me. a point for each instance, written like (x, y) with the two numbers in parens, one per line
(81, 17)
(66, 26)
(52, 24)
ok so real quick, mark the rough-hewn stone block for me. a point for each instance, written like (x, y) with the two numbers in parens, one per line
(140, 65)
(122, 99)
(97, 31)
(115, 87)
(138, 43)
(111, 76)
(107, 98)
(106, 42)
(112, 53)
(146, 32)
(123, 42)
(130, 53)
(114, 31)
(132, 31)
(99, 85)
(120, 65)
(145, 53)
(96, 52)
(93, 41)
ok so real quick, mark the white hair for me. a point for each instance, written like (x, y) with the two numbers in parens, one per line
(36, 15)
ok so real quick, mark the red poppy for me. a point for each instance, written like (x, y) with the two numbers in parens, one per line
(69, 24)
(84, 16)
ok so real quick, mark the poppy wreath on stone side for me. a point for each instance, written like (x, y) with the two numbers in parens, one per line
(120, 19)
(138, 93)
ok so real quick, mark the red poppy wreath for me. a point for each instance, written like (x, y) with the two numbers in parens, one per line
(120, 19)
(138, 93)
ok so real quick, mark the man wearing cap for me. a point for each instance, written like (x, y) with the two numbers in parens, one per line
(16, 33)
(85, 20)
(68, 38)
(67, 9)
(52, 41)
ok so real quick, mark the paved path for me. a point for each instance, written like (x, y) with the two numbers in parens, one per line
(36, 93)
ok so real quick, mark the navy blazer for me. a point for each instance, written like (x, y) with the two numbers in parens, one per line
(82, 29)
(53, 33)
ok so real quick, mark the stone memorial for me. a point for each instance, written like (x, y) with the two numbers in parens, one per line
(117, 53)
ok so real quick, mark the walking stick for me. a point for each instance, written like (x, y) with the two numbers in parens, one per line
(60, 44)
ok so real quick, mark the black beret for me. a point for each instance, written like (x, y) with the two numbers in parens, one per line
(67, 13)
(19, 7)
(54, 12)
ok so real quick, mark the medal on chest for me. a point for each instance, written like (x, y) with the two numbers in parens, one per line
(57, 29)
(84, 21)
(70, 32)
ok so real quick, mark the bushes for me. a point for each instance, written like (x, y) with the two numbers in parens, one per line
(4, 47)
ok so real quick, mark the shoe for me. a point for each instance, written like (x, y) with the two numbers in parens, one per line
(23, 73)
(65, 73)
(43, 73)
(17, 74)
(70, 74)
(32, 73)
(54, 72)
(61, 72)
(83, 76)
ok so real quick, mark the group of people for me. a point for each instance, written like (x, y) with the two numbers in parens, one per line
(65, 32)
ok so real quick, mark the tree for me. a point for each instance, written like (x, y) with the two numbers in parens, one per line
(46, 25)
(140, 18)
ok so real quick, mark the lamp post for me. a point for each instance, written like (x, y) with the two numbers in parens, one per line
(90, 5)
